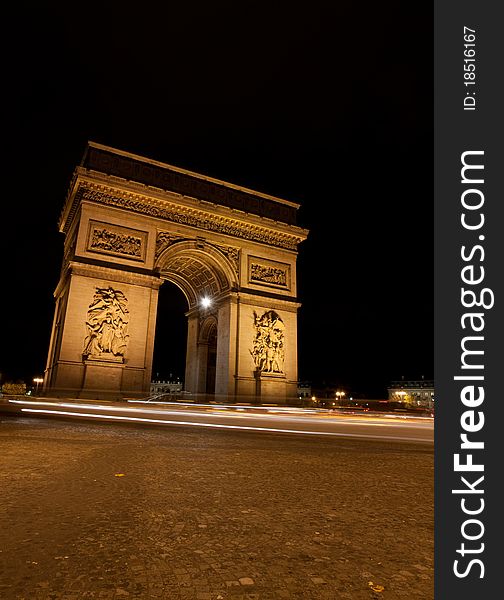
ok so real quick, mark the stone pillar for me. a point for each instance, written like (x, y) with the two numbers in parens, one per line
(191, 372)
(274, 379)
(202, 365)
(94, 353)
(226, 349)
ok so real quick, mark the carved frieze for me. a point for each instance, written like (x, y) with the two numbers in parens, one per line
(120, 241)
(165, 239)
(268, 348)
(233, 254)
(188, 216)
(269, 273)
(107, 326)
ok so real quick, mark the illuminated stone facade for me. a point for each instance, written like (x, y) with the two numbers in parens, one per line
(412, 393)
(130, 224)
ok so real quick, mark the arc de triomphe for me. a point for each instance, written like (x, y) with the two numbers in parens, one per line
(130, 223)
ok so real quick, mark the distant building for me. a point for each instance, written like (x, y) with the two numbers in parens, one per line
(412, 393)
(304, 389)
(166, 387)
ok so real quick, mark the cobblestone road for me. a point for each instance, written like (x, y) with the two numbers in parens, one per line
(117, 512)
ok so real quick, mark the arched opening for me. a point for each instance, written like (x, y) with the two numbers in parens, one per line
(211, 362)
(169, 359)
(208, 355)
(199, 269)
(205, 275)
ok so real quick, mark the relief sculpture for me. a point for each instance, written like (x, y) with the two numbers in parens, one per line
(107, 325)
(268, 274)
(193, 218)
(111, 241)
(165, 239)
(233, 255)
(268, 348)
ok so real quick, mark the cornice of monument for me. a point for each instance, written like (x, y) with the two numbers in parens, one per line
(118, 275)
(169, 206)
(273, 301)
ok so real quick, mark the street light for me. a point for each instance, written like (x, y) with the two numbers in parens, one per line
(37, 380)
(340, 395)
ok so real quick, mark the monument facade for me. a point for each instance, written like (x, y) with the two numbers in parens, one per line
(131, 223)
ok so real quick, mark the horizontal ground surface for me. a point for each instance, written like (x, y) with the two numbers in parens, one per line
(117, 511)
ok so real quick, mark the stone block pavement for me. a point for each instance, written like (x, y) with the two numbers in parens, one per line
(138, 512)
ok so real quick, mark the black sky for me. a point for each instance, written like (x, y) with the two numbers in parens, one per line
(328, 105)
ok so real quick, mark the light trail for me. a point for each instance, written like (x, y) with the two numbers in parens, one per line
(348, 421)
(218, 425)
(233, 406)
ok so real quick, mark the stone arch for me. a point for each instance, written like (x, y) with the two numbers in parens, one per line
(130, 224)
(198, 269)
(208, 328)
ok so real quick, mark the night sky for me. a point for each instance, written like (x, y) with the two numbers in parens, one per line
(329, 106)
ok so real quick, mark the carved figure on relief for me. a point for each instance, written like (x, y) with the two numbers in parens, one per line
(268, 347)
(268, 274)
(165, 239)
(107, 324)
(116, 242)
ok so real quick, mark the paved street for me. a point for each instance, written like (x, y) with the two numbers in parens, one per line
(106, 510)
(377, 426)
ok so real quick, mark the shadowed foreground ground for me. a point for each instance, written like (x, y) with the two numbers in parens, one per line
(117, 511)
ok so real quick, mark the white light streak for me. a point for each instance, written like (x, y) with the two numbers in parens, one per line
(210, 412)
(217, 425)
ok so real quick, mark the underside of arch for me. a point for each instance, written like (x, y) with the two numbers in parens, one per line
(198, 272)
